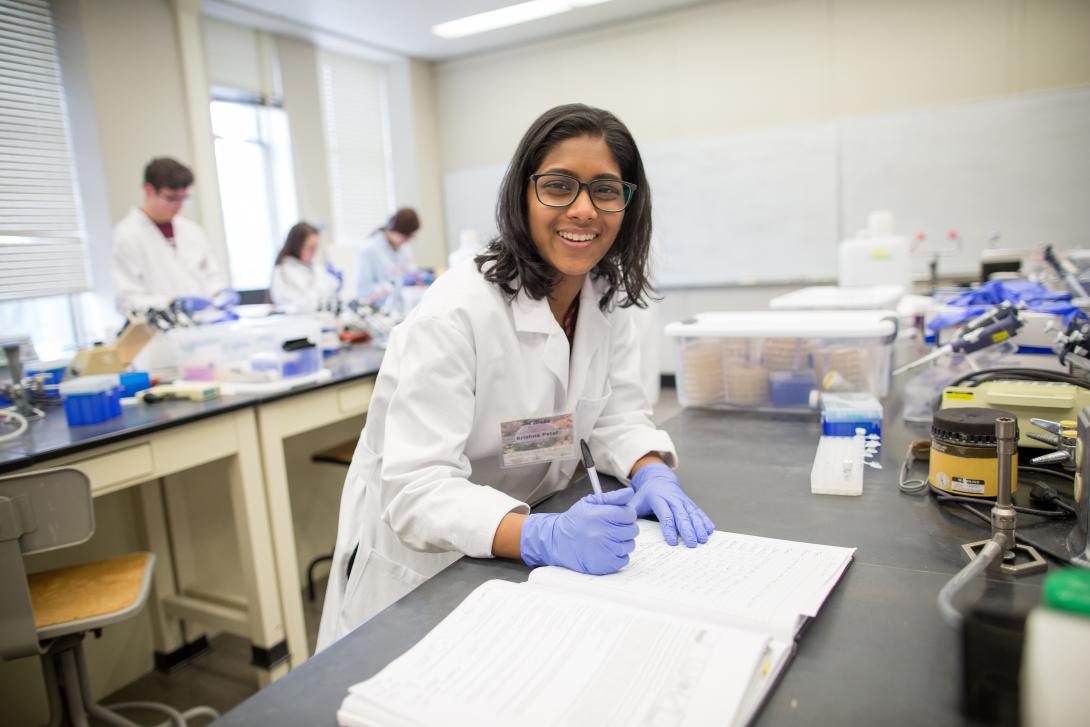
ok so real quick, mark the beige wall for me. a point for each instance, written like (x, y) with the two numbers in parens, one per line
(414, 141)
(724, 67)
(137, 87)
(745, 64)
(141, 84)
(299, 75)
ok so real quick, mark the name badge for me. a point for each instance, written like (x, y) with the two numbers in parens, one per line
(543, 439)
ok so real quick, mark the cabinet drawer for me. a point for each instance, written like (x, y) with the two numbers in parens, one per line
(112, 471)
(355, 397)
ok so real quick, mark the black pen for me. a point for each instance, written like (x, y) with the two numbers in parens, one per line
(588, 462)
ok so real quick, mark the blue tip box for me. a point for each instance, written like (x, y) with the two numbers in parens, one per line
(91, 399)
(843, 413)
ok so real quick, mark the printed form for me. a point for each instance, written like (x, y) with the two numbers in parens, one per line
(604, 663)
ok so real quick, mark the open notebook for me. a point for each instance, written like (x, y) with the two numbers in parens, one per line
(678, 637)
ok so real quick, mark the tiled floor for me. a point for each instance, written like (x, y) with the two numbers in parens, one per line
(221, 677)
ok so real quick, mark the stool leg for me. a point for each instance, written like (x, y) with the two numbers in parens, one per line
(310, 572)
(72, 689)
(52, 689)
(96, 710)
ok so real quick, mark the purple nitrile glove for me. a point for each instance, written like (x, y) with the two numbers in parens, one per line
(588, 538)
(225, 299)
(338, 274)
(193, 303)
(658, 491)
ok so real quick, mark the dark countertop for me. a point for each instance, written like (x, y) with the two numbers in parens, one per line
(878, 653)
(51, 437)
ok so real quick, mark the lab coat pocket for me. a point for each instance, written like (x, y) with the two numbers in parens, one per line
(587, 412)
(374, 584)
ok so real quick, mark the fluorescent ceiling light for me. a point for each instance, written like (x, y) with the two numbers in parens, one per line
(510, 15)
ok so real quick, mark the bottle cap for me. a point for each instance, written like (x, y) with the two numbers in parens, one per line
(1068, 590)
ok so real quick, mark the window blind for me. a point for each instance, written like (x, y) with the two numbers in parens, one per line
(41, 230)
(353, 112)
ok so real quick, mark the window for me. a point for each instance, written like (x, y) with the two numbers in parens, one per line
(42, 252)
(357, 142)
(257, 187)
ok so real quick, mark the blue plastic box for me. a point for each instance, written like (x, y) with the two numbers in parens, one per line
(91, 399)
(134, 381)
(843, 413)
(54, 372)
(791, 388)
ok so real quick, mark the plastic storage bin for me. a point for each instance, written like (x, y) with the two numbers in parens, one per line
(774, 359)
(832, 297)
(248, 350)
(91, 399)
(53, 373)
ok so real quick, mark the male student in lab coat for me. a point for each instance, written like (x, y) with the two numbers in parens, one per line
(160, 256)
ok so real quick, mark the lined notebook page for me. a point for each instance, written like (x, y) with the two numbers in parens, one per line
(516, 654)
(743, 579)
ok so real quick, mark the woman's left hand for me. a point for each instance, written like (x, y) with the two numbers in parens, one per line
(658, 491)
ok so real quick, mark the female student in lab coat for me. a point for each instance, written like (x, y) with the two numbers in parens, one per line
(300, 280)
(387, 258)
(490, 383)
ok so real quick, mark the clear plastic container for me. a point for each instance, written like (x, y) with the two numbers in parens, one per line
(248, 350)
(774, 359)
(91, 399)
(833, 297)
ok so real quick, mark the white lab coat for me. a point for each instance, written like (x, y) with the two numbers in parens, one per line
(426, 485)
(149, 272)
(381, 267)
(302, 287)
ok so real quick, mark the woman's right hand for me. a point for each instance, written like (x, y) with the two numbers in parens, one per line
(588, 538)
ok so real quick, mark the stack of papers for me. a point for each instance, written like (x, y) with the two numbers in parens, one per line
(680, 636)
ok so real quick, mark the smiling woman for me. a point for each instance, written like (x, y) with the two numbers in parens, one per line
(606, 155)
(506, 364)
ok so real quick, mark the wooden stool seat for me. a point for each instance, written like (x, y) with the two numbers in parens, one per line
(86, 596)
(337, 454)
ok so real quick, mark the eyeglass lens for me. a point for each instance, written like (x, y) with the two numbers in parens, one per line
(559, 190)
(174, 198)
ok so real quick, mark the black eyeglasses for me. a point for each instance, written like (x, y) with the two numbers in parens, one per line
(560, 190)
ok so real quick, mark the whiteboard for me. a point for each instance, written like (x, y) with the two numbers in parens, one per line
(469, 198)
(772, 205)
(1016, 167)
(755, 207)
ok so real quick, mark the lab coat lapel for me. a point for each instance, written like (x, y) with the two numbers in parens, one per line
(591, 339)
(534, 317)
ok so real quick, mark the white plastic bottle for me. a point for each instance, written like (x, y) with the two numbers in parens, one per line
(876, 256)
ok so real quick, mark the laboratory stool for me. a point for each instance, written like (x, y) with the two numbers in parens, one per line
(339, 454)
(47, 614)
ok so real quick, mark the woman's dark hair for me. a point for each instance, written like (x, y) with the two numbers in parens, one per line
(166, 173)
(517, 264)
(297, 235)
(404, 221)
